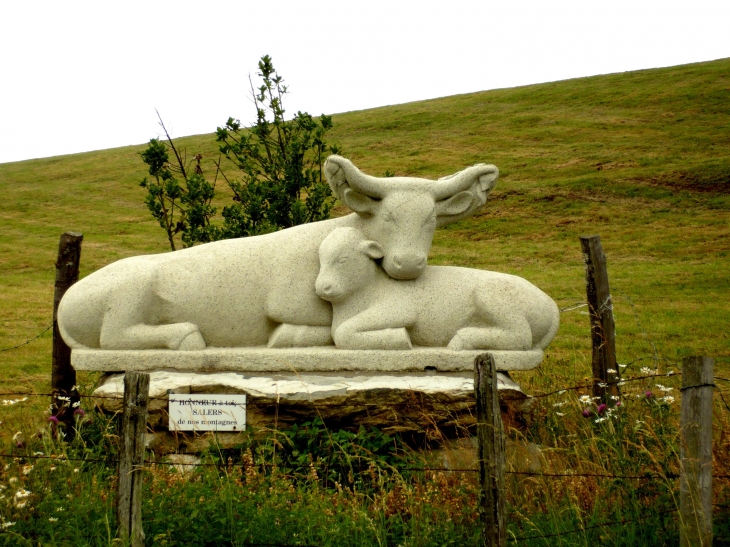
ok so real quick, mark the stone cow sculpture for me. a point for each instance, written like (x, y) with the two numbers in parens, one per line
(260, 290)
(459, 308)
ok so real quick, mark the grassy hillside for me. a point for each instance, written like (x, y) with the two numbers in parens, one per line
(641, 158)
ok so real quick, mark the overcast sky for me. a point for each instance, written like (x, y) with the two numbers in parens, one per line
(81, 75)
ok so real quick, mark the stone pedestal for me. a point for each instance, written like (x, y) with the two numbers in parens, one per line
(428, 404)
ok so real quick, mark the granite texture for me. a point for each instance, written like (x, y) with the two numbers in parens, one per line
(457, 308)
(260, 291)
(299, 360)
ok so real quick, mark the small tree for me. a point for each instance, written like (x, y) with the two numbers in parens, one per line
(281, 182)
(179, 207)
(280, 162)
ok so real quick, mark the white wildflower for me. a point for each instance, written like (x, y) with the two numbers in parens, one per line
(585, 399)
(27, 469)
(63, 398)
(18, 435)
(12, 480)
(602, 384)
(668, 399)
(60, 509)
(561, 391)
(599, 420)
(52, 519)
(52, 468)
(611, 371)
(646, 370)
(560, 413)
(76, 404)
(623, 366)
(4, 525)
(19, 499)
(621, 383)
(39, 453)
(76, 470)
(670, 372)
(560, 404)
(615, 397)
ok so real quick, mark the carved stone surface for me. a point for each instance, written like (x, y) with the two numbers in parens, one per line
(460, 308)
(288, 360)
(260, 291)
(407, 403)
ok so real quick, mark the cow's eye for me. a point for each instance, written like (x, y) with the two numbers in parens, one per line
(387, 217)
(342, 259)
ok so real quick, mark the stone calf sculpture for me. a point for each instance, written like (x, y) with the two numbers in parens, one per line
(459, 308)
(260, 290)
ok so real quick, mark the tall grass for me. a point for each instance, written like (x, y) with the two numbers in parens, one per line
(596, 476)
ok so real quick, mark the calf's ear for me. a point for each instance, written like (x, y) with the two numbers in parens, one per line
(360, 203)
(372, 249)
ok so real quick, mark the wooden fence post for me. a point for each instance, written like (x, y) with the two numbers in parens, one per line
(490, 452)
(131, 458)
(603, 333)
(695, 486)
(63, 375)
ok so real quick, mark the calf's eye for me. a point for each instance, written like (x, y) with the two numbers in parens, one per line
(342, 259)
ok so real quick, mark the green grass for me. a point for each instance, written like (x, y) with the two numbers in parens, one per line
(641, 158)
(310, 486)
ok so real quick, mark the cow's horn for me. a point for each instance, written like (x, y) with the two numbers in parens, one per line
(348, 173)
(486, 175)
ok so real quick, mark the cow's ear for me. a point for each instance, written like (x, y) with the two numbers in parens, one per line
(478, 181)
(360, 203)
(373, 249)
(455, 206)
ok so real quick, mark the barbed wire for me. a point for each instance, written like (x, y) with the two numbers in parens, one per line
(111, 461)
(353, 404)
(28, 341)
(574, 307)
(584, 528)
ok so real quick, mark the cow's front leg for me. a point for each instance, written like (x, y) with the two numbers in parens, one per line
(300, 336)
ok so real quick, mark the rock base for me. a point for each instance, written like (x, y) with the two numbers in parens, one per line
(430, 405)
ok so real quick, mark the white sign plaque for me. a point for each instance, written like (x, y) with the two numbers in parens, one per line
(204, 412)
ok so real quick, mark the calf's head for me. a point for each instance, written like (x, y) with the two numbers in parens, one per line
(401, 213)
(346, 264)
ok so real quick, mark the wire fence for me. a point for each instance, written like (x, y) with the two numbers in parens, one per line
(653, 376)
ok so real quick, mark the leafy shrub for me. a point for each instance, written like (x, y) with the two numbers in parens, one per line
(279, 162)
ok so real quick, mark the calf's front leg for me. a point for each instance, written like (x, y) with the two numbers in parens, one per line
(373, 329)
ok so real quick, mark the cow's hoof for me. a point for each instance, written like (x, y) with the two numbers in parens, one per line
(456, 344)
(192, 342)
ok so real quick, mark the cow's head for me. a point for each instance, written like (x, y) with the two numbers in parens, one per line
(401, 213)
